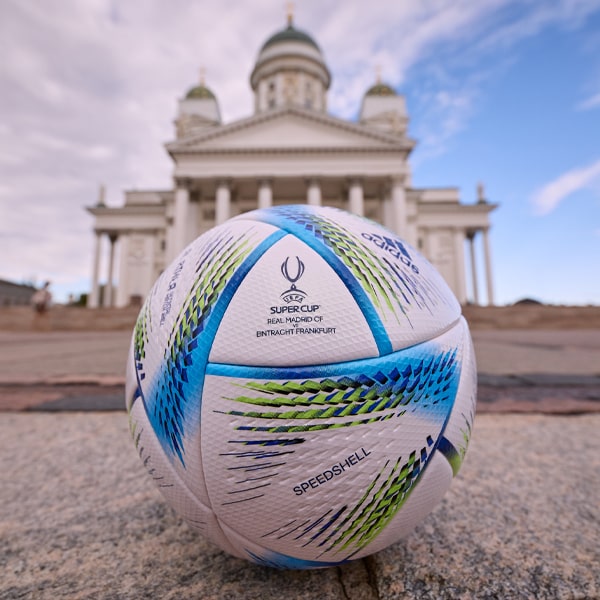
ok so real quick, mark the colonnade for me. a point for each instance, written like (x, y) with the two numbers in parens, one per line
(355, 203)
(183, 226)
(395, 213)
(264, 199)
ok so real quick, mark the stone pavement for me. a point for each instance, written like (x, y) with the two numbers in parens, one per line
(63, 356)
(523, 371)
(80, 356)
(79, 518)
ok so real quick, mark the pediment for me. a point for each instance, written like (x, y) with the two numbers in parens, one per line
(286, 130)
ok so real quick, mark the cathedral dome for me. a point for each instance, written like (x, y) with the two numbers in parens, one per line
(197, 110)
(290, 34)
(383, 108)
(381, 89)
(290, 71)
(200, 91)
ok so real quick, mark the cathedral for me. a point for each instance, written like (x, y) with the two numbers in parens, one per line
(290, 151)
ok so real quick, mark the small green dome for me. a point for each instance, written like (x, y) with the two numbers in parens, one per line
(290, 34)
(200, 91)
(381, 89)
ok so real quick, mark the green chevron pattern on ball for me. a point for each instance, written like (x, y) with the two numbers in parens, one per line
(169, 411)
(387, 391)
(216, 266)
(313, 426)
(365, 265)
(351, 408)
(141, 331)
(466, 435)
(367, 519)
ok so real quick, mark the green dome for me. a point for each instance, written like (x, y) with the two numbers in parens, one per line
(381, 89)
(290, 34)
(200, 91)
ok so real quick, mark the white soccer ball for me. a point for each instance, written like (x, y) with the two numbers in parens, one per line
(301, 386)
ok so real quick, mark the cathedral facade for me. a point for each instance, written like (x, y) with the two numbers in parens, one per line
(289, 151)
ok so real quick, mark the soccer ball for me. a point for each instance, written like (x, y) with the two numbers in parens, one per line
(301, 386)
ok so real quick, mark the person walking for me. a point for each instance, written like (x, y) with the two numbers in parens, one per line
(40, 301)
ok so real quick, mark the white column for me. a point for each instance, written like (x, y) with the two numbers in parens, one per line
(488, 268)
(423, 233)
(108, 291)
(386, 210)
(170, 231)
(148, 273)
(459, 266)
(313, 195)
(180, 220)
(399, 207)
(123, 281)
(222, 203)
(265, 194)
(411, 234)
(410, 230)
(471, 237)
(94, 297)
(193, 220)
(170, 240)
(356, 203)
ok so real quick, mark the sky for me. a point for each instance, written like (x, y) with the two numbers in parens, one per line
(502, 92)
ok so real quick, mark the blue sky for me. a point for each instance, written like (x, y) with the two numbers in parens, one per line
(531, 134)
(503, 92)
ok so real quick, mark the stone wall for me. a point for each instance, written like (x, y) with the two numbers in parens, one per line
(525, 316)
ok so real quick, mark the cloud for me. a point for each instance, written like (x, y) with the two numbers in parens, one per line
(548, 197)
(590, 103)
(90, 90)
(514, 21)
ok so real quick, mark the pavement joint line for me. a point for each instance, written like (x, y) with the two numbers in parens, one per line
(537, 379)
(100, 381)
(484, 379)
(566, 400)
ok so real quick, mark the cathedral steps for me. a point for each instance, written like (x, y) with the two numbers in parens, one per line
(518, 316)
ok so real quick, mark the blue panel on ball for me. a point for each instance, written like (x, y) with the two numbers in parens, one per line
(173, 399)
(270, 558)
